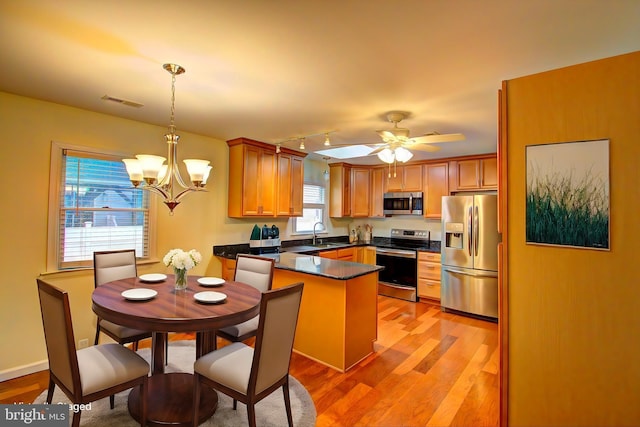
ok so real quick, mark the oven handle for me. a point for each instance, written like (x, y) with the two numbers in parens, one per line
(396, 252)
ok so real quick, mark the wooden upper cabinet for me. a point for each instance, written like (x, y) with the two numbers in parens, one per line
(360, 191)
(378, 177)
(339, 190)
(290, 185)
(436, 184)
(473, 174)
(254, 170)
(489, 173)
(404, 178)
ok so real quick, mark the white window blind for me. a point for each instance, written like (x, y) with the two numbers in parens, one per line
(313, 208)
(98, 209)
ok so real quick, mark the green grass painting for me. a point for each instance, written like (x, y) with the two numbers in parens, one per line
(568, 194)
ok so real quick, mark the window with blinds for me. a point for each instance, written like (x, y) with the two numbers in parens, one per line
(313, 208)
(97, 209)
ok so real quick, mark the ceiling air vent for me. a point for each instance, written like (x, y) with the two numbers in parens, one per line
(122, 101)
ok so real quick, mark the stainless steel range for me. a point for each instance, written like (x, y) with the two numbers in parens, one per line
(399, 256)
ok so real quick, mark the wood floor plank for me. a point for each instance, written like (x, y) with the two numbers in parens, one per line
(456, 396)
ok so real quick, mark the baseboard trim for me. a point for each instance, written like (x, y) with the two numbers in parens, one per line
(19, 371)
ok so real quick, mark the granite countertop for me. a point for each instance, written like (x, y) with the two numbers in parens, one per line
(324, 267)
(305, 246)
(301, 256)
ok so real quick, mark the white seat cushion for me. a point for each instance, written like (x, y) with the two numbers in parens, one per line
(119, 330)
(250, 325)
(230, 366)
(102, 366)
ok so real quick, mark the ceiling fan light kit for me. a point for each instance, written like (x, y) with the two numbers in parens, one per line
(162, 179)
(396, 147)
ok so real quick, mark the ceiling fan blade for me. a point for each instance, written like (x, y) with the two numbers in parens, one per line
(387, 136)
(436, 138)
(422, 147)
(379, 149)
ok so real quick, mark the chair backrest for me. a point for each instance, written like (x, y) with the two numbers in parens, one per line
(255, 271)
(114, 265)
(58, 335)
(279, 310)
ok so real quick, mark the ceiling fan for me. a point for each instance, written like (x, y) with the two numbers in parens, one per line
(397, 141)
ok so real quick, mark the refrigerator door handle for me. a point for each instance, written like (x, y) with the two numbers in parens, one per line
(476, 231)
(470, 230)
(474, 273)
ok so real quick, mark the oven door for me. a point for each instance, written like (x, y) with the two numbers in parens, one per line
(399, 278)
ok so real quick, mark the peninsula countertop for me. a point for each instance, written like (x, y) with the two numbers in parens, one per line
(324, 267)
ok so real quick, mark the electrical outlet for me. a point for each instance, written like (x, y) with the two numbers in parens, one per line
(83, 343)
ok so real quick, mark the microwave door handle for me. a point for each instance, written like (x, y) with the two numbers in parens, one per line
(410, 203)
(476, 231)
(470, 230)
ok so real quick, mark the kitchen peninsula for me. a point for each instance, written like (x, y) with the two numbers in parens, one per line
(337, 324)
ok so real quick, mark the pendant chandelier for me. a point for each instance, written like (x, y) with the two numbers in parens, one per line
(162, 179)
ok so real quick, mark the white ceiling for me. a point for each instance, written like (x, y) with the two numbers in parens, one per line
(281, 69)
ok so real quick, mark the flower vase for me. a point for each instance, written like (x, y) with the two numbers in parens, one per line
(181, 278)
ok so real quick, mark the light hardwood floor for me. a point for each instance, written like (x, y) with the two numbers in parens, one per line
(430, 369)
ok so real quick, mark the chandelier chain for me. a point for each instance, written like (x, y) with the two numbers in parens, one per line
(172, 126)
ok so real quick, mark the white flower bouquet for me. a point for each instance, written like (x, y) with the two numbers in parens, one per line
(181, 262)
(177, 258)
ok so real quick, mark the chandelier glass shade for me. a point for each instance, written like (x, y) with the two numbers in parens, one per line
(399, 154)
(164, 179)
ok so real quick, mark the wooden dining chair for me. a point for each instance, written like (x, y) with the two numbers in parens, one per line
(255, 271)
(109, 266)
(91, 373)
(249, 374)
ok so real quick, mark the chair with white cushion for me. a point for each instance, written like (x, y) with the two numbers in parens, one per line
(91, 373)
(250, 374)
(257, 272)
(109, 266)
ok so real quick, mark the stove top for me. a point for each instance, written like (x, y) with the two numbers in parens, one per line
(405, 239)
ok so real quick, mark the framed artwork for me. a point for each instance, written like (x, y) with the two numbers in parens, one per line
(568, 194)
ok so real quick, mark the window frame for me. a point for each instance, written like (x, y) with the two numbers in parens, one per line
(55, 208)
(322, 206)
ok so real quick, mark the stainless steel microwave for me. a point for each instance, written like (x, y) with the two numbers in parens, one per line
(402, 203)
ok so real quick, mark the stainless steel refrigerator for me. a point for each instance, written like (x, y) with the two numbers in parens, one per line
(469, 250)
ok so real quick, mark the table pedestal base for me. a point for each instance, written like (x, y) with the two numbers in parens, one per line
(170, 401)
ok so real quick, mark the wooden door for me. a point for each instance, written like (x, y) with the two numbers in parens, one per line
(360, 178)
(290, 185)
(436, 181)
(376, 208)
(489, 173)
(412, 178)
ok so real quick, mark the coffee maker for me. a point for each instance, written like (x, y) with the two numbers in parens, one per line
(265, 240)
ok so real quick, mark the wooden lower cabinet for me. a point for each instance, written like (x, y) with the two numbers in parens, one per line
(429, 275)
(228, 268)
(337, 323)
(365, 255)
(344, 254)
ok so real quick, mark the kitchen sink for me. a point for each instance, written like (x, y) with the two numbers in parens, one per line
(326, 245)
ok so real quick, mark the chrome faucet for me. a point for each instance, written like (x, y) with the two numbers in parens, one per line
(314, 231)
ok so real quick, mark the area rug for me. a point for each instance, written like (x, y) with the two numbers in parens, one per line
(270, 411)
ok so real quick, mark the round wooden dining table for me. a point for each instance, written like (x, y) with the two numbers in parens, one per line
(170, 395)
